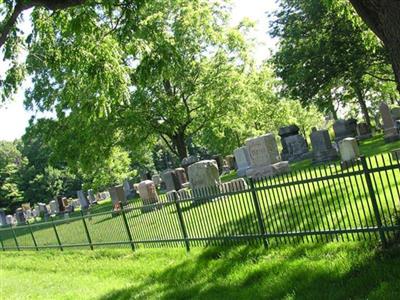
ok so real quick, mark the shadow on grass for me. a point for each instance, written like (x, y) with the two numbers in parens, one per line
(311, 272)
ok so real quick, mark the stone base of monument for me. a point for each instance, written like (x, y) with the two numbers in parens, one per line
(349, 164)
(395, 154)
(268, 170)
(321, 157)
(300, 157)
(151, 207)
(391, 138)
(233, 186)
(364, 137)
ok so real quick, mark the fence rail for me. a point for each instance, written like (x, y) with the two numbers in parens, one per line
(321, 204)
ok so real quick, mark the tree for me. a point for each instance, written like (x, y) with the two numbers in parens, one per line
(383, 18)
(179, 70)
(325, 54)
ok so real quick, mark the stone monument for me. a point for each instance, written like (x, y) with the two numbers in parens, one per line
(264, 157)
(171, 180)
(147, 191)
(294, 146)
(323, 150)
(363, 131)
(82, 199)
(242, 160)
(203, 177)
(2, 217)
(181, 173)
(389, 126)
(344, 129)
(117, 194)
(349, 151)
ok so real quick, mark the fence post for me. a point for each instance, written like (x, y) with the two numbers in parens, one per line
(128, 231)
(55, 231)
(367, 174)
(182, 223)
(87, 231)
(258, 213)
(33, 237)
(15, 237)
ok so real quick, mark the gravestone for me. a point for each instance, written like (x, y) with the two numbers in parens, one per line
(20, 216)
(235, 185)
(3, 221)
(294, 146)
(91, 197)
(323, 150)
(60, 202)
(9, 219)
(344, 129)
(181, 173)
(54, 209)
(395, 113)
(171, 180)
(148, 193)
(242, 160)
(187, 161)
(28, 214)
(82, 199)
(395, 154)
(172, 196)
(156, 178)
(117, 194)
(220, 162)
(203, 176)
(349, 150)
(127, 188)
(264, 157)
(230, 161)
(389, 126)
(363, 131)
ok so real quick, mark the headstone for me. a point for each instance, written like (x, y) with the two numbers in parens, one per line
(264, 157)
(344, 129)
(363, 131)
(242, 160)
(28, 214)
(82, 199)
(231, 162)
(147, 191)
(184, 194)
(181, 173)
(156, 178)
(187, 161)
(172, 196)
(117, 194)
(389, 126)
(395, 154)
(171, 180)
(294, 146)
(20, 216)
(127, 188)
(3, 221)
(9, 219)
(54, 209)
(349, 150)
(91, 197)
(35, 212)
(203, 174)
(323, 150)
(60, 201)
(220, 161)
(395, 113)
(235, 185)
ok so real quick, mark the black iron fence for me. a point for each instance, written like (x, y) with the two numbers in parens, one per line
(325, 203)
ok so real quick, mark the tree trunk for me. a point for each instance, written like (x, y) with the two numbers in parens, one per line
(363, 104)
(333, 110)
(179, 142)
(383, 17)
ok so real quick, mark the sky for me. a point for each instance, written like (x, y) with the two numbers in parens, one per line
(14, 118)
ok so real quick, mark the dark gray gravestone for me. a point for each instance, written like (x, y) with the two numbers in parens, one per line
(117, 195)
(344, 129)
(3, 221)
(181, 173)
(20, 216)
(171, 180)
(323, 150)
(363, 131)
(220, 162)
(294, 146)
(389, 125)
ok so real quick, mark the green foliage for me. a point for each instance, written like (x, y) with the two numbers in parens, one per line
(326, 55)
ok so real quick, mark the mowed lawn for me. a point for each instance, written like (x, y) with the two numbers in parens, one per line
(350, 270)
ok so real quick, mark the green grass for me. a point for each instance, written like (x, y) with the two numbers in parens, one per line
(312, 271)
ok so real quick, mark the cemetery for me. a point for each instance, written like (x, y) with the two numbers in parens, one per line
(199, 149)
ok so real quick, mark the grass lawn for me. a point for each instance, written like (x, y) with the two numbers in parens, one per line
(352, 270)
